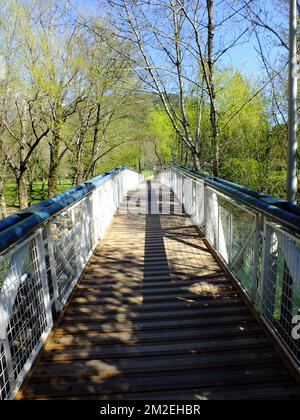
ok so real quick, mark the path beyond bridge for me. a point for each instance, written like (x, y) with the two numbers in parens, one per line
(154, 316)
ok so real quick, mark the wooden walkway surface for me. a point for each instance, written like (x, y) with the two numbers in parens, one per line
(155, 317)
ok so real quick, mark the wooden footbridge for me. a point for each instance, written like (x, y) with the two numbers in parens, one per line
(156, 314)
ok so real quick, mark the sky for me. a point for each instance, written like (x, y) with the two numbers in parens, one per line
(243, 57)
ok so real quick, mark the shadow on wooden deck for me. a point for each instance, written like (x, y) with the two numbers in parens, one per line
(156, 317)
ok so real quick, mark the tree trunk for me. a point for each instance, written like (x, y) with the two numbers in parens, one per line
(21, 177)
(157, 155)
(79, 176)
(22, 191)
(213, 118)
(197, 162)
(53, 166)
(3, 211)
(215, 141)
(93, 161)
(31, 181)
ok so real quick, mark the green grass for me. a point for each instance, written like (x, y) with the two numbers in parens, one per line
(147, 173)
(39, 193)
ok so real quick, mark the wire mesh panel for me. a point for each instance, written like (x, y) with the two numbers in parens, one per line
(42, 271)
(83, 225)
(231, 229)
(280, 288)
(263, 257)
(242, 246)
(4, 377)
(189, 192)
(74, 233)
(95, 208)
(24, 311)
(67, 230)
(64, 232)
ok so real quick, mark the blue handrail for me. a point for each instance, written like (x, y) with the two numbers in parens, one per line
(20, 224)
(278, 209)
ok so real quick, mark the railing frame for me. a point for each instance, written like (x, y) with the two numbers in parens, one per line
(270, 216)
(43, 235)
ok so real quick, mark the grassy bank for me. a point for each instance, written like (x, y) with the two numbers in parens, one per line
(147, 173)
(39, 192)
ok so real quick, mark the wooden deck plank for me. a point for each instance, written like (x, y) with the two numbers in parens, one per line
(81, 368)
(155, 317)
(117, 350)
(126, 336)
(108, 384)
(147, 322)
(257, 392)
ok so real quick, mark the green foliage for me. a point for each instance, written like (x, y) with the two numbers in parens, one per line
(242, 171)
(39, 191)
(162, 134)
(67, 74)
(147, 173)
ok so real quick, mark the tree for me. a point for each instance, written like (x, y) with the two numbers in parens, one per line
(111, 92)
(271, 34)
(3, 162)
(177, 40)
(58, 73)
(22, 121)
(26, 140)
(3, 212)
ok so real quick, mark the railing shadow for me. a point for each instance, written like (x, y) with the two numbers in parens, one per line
(150, 323)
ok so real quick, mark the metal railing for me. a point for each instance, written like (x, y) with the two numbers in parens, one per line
(258, 239)
(43, 251)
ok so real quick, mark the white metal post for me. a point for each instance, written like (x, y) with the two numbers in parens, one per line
(292, 183)
(255, 257)
(230, 239)
(52, 264)
(79, 242)
(268, 286)
(205, 209)
(43, 273)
